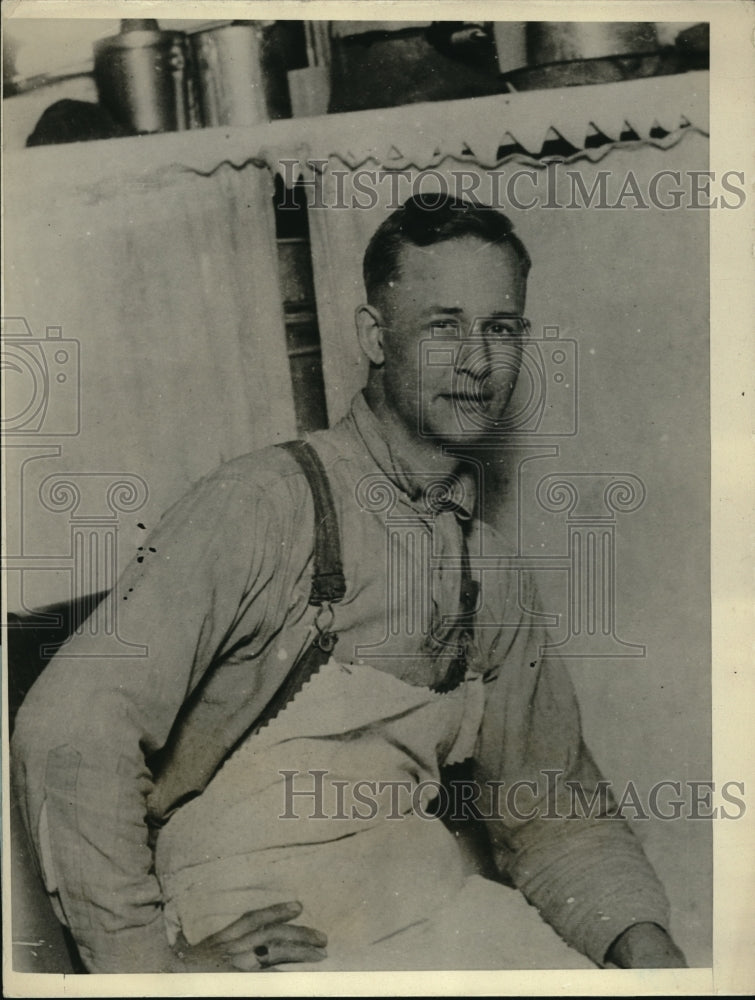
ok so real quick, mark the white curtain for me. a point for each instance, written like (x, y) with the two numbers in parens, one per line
(160, 284)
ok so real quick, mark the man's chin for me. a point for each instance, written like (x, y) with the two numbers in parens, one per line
(458, 436)
(457, 422)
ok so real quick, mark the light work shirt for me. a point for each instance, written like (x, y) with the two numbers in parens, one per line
(104, 747)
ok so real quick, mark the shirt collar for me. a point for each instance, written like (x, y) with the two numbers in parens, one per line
(457, 491)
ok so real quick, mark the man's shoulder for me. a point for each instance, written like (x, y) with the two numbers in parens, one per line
(261, 468)
(272, 471)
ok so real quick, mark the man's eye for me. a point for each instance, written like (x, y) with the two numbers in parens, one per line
(502, 329)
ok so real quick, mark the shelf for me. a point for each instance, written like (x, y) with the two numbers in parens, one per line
(420, 135)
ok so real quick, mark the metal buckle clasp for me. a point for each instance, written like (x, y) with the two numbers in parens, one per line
(326, 639)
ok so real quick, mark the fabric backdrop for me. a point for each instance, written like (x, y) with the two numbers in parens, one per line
(165, 284)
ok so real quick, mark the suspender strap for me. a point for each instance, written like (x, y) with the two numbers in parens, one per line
(328, 587)
(328, 583)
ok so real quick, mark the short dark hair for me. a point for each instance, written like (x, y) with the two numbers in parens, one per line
(424, 220)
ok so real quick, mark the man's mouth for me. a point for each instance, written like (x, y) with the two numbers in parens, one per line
(477, 397)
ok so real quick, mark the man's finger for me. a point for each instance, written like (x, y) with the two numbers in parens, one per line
(253, 921)
(278, 953)
(276, 935)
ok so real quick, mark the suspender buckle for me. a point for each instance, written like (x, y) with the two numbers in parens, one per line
(326, 639)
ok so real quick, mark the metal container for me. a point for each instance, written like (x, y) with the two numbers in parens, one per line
(238, 80)
(564, 41)
(142, 79)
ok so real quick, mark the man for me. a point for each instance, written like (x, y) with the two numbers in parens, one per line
(221, 601)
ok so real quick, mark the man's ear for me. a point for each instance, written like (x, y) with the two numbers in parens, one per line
(370, 332)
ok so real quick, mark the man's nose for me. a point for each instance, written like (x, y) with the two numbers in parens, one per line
(474, 358)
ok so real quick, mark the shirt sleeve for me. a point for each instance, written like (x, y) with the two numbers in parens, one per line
(556, 835)
(89, 723)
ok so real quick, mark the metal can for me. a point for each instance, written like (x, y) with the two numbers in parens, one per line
(233, 87)
(142, 79)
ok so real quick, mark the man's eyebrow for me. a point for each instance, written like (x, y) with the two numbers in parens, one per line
(453, 310)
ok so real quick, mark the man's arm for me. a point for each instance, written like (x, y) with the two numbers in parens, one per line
(88, 723)
(584, 870)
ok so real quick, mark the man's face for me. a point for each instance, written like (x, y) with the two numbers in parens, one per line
(451, 351)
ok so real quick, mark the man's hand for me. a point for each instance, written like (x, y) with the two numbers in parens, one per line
(254, 942)
(645, 946)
